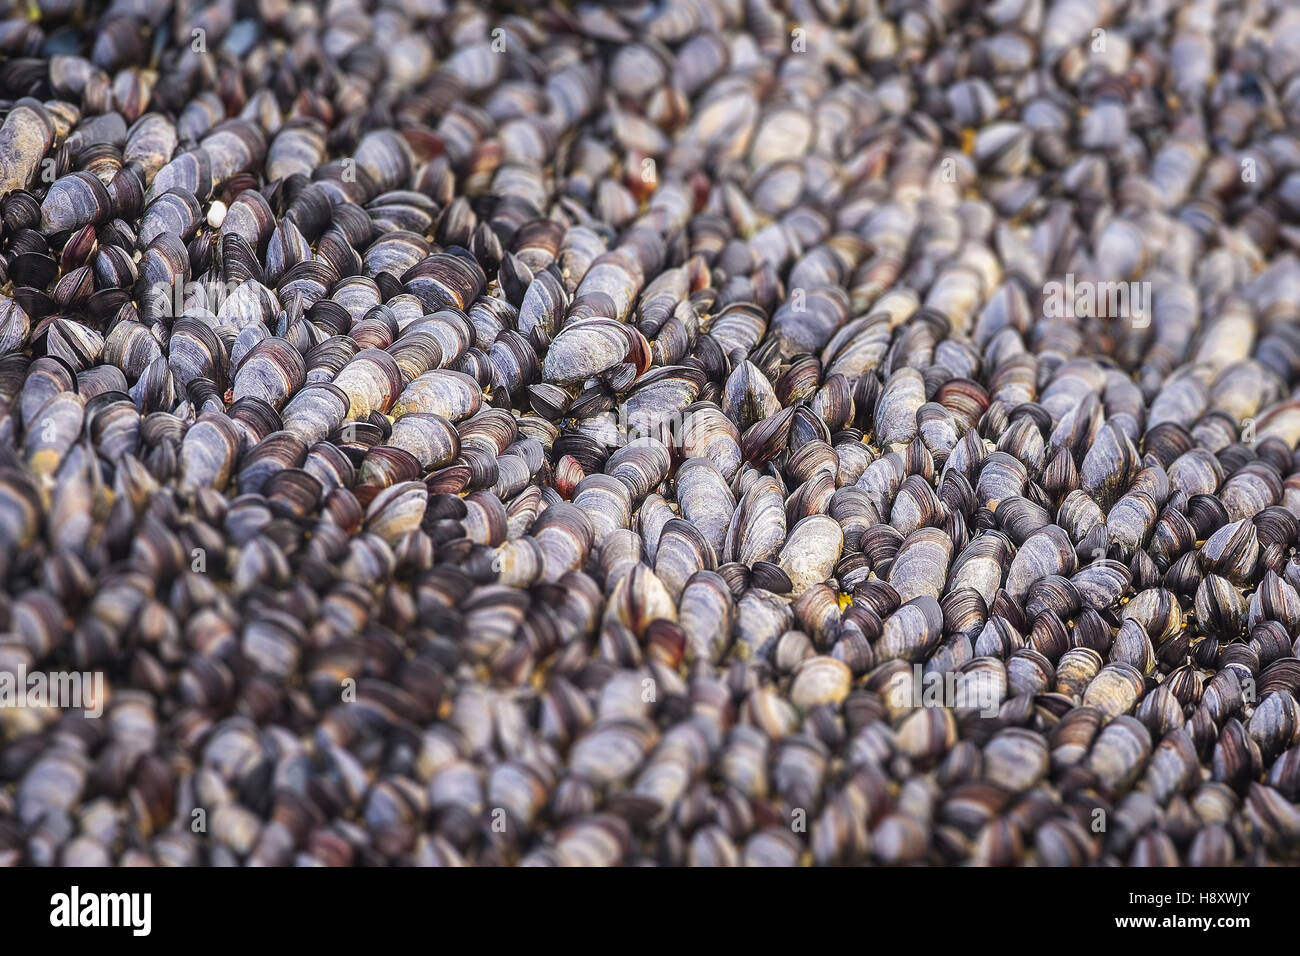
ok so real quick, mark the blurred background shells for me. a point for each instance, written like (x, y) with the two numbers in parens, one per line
(699, 433)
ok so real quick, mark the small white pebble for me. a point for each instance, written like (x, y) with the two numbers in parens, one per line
(216, 214)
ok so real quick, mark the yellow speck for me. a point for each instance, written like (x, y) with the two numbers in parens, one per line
(968, 140)
(846, 600)
(44, 462)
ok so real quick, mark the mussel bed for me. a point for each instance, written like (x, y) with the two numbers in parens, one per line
(677, 432)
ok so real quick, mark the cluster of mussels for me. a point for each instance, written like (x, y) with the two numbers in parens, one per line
(650, 433)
